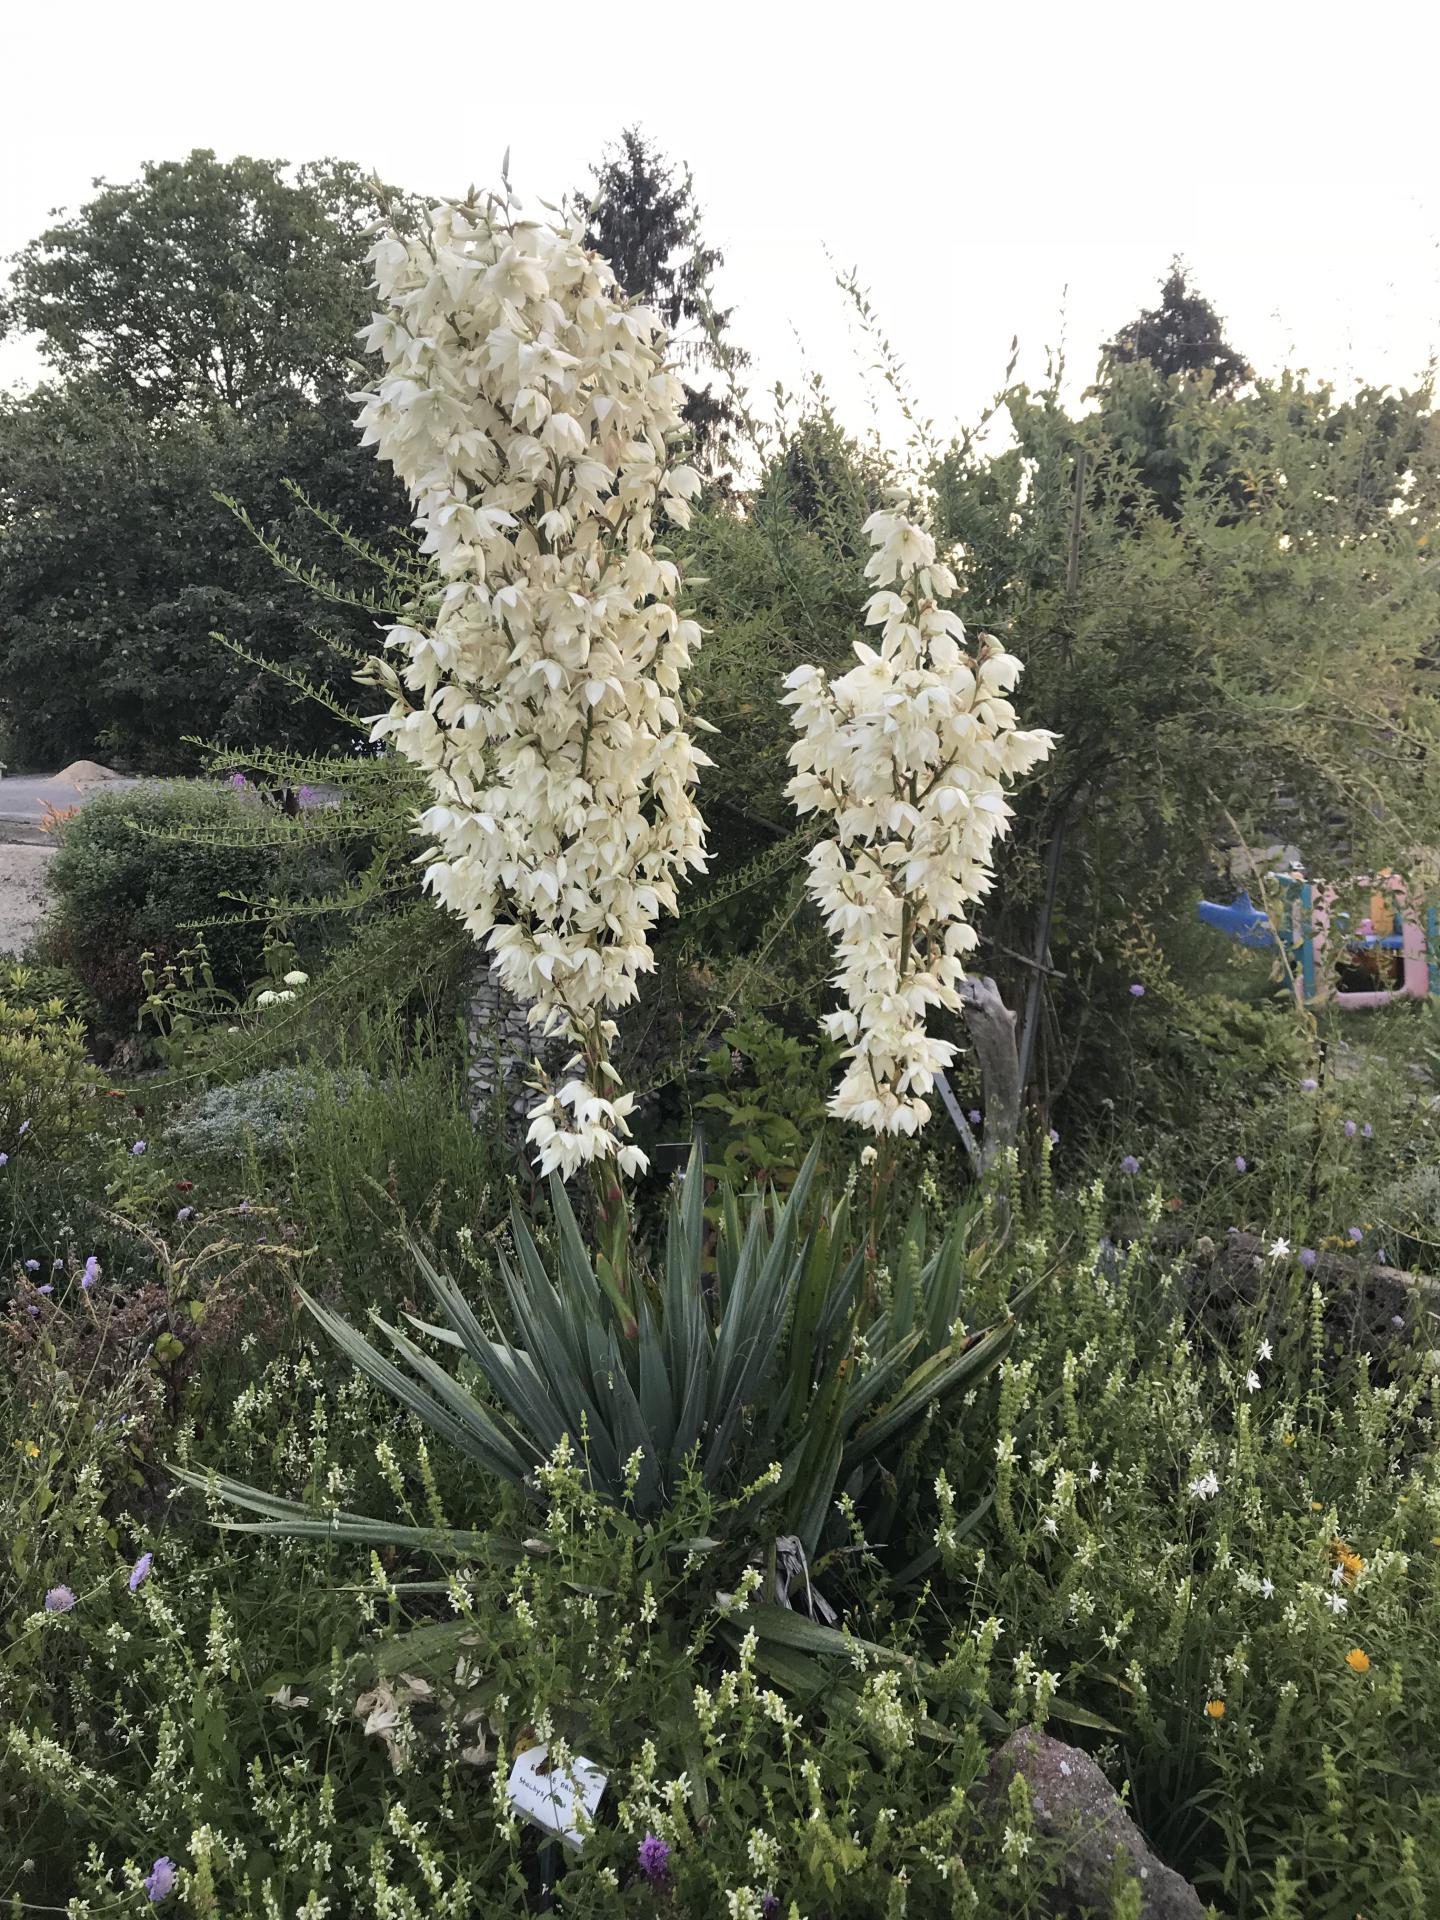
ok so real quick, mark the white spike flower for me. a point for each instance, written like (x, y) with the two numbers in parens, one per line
(909, 754)
(529, 410)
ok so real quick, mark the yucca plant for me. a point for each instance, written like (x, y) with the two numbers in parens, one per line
(773, 1354)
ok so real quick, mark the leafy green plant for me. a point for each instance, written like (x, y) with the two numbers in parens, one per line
(48, 1085)
(772, 1095)
(780, 1372)
(127, 889)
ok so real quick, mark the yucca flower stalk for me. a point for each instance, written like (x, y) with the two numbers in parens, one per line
(909, 753)
(530, 411)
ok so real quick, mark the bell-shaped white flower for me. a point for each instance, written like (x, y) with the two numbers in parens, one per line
(529, 410)
(909, 754)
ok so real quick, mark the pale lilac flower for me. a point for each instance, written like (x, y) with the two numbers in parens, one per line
(1307, 1259)
(1053, 1137)
(59, 1600)
(305, 795)
(184, 1213)
(1130, 1164)
(1357, 1234)
(138, 1148)
(1397, 1320)
(654, 1859)
(4, 1159)
(973, 1116)
(1349, 1129)
(1309, 1086)
(32, 1266)
(1240, 1163)
(160, 1881)
(140, 1572)
(91, 1273)
(769, 1906)
(1367, 1132)
(24, 1128)
(1137, 991)
(49, 1287)
(238, 780)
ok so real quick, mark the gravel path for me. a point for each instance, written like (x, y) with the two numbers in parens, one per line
(22, 892)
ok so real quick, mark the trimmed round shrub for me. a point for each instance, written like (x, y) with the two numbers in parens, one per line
(135, 871)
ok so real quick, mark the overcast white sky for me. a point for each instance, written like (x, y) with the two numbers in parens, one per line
(989, 169)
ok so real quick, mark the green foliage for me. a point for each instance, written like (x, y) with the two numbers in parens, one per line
(106, 614)
(204, 283)
(771, 1095)
(129, 886)
(389, 1139)
(1182, 335)
(1151, 1592)
(644, 219)
(203, 318)
(260, 1116)
(785, 1376)
(48, 1086)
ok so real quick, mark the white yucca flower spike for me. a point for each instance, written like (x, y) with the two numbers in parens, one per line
(529, 410)
(908, 754)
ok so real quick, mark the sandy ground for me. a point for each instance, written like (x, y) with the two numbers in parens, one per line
(22, 898)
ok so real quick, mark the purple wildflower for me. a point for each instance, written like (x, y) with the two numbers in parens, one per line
(1397, 1320)
(305, 796)
(1239, 1163)
(1137, 992)
(1309, 1086)
(4, 1159)
(1307, 1259)
(184, 1213)
(160, 1881)
(24, 1128)
(1349, 1129)
(91, 1273)
(973, 1116)
(32, 1266)
(1357, 1234)
(1053, 1137)
(139, 1148)
(49, 1287)
(769, 1906)
(238, 780)
(59, 1600)
(1130, 1164)
(244, 1207)
(654, 1859)
(1367, 1132)
(140, 1572)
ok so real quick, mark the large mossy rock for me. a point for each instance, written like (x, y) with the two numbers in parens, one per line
(1079, 1812)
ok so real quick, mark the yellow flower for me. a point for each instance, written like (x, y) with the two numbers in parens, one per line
(1215, 1709)
(1287, 1439)
(1358, 1660)
(1317, 1506)
(32, 1450)
(1347, 1558)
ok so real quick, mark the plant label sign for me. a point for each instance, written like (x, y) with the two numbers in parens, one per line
(556, 1797)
